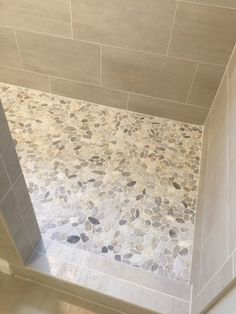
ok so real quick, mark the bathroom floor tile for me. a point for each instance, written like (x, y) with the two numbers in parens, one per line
(109, 181)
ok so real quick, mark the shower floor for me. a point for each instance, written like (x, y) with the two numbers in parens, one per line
(113, 182)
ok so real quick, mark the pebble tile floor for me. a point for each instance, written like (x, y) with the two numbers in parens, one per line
(117, 183)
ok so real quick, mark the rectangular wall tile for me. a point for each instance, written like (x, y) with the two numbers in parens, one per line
(46, 16)
(142, 73)
(89, 93)
(216, 172)
(214, 288)
(60, 57)
(16, 227)
(167, 109)
(24, 78)
(137, 24)
(203, 33)
(222, 3)
(232, 151)
(4, 181)
(8, 153)
(214, 250)
(205, 85)
(9, 54)
(201, 210)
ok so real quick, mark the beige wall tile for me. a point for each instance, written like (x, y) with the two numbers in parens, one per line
(148, 74)
(216, 172)
(24, 78)
(41, 16)
(89, 93)
(214, 288)
(60, 57)
(203, 33)
(9, 53)
(167, 109)
(137, 24)
(201, 209)
(232, 151)
(214, 250)
(223, 3)
(205, 85)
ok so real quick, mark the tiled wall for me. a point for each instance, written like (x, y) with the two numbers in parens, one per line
(215, 235)
(161, 57)
(19, 232)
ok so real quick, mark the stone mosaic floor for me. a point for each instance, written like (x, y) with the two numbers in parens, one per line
(113, 182)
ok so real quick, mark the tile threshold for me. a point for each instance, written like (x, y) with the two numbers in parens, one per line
(105, 281)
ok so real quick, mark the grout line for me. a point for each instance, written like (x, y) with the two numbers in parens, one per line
(207, 4)
(71, 20)
(18, 48)
(120, 47)
(172, 29)
(191, 86)
(100, 65)
(191, 299)
(227, 161)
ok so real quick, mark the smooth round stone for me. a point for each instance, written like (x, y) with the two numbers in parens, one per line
(104, 249)
(73, 239)
(93, 220)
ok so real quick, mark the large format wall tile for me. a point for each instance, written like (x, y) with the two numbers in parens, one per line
(167, 109)
(203, 33)
(8, 49)
(232, 151)
(223, 3)
(216, 172)
(137, 24)
(205, 85)
(142, 73)
(47, 16)
(24, 78)
(60, 57)
(89, 93)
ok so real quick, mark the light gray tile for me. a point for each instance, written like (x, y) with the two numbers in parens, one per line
(16, 226)
(134, 294)
(142, 73)
(221, 3)
(9, 53)
(167, 109)
(137, 24)
(24, 78)
(232, 151)
(22, 196)
(138, 276)
(216, 172)
(8, 153)
(89, 93)
(40, 16)
(214, 288)
(214, 250)
(205, 85)
(5, 183)
(203, 33)
(60, 57)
